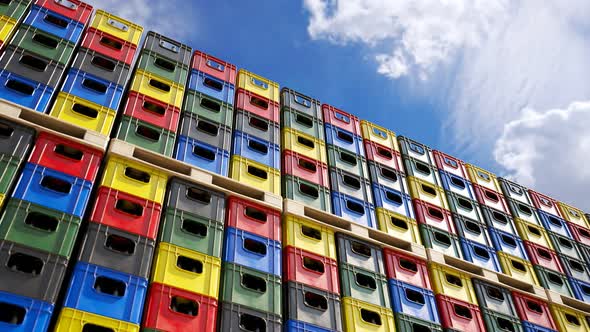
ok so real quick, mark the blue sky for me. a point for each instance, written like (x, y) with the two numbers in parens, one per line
(502, 84)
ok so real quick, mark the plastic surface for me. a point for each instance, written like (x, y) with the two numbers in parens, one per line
(211, 86)
(408, 323)
(543, 256)
(427, 192)
(483, 178)
(554, 281)
(355, 252)
(152, 111)
(457, 185)
(31, 66)
(196, 199)
(25, 92)
(146, 136)
(206, 131)
(93, 89)
(449, 164)
(498, 220)
(507, 243)
(301, 166)
(312, 306)
(459, 315)
(258, 85)
(362, 316)
(303, 234)
(575, 268)
(359, 187)
(398, 225)
(569, 320)
(580, 289)
(71, 320)
(255, 174)
(292, 100)
(117, 26)
(109, 45)
(564, 246)
(15, 139)
(545, 203)
(494, 298)
(202, 155)
(421, 170)
(22, 314)
(554, 224)
(14, 9)
(537, 234)
(167, 47)
(10, 166)
(253, 148)
(256, 104)
(515, 191)
(257, 126)
(434, 216)
(310, 269)
(393, 200)
(304, 144)
(379, 135)
(161, 66)
(472, 230)
(450, 282)
(495, 321)
(415, 149)
(8, 27)
(524, 212)
(215, 67)
(343, 139)
(252, 251)
(413, 301)
(480, 255)
(298, 326)
(235, 317)
(353, 210)
(208, 108)
(41, 42)
(441, 241)
(406, 268)
(363, 285)
(76, 10)
(345, 160)
(573, 215)
(517, 268)
(158, 88)
(54, 23)
(388, 177)
(580, 234)
(338, 118)
(101, 66)
(464, 207)
(83, 113)
(533, 310)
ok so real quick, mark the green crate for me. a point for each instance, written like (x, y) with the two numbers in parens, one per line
(352, 163)
(302, 122)
(8, 170)
(53, 47)
(364, 285)
(15, 8)
(440, 240)
(495, 321)
(264, 293)
(157, 64)
(310, 194)
(146, 135)
(190, 231)
(408, 323)
(553, 280)
(209, 108)
(39, 227)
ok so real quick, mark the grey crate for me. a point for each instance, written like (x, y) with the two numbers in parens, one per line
(416, 150)
(196, 199)
(494, 298)
(302, 103)
(515, 191)
(388, 177)
(496, 219)
(464, 206)
(358, 253)
(15, 139)
(259, 127)
(566, 246)
(31, 273)
(168, 48)
(348, 161)
(206, 131)
(118, 250)
(422, 170)
(523, 211)
(101, 66)
(350, 184)
(32, 66)
(472, 230)
(235, 317)
(323, 311)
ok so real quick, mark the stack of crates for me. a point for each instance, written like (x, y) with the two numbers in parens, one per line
(42, 47)
(108, 285)
(15, 143)
(534, 313)
(311, 289)
(93, 89)
(256, 148)
(42, 218)
(497, 307)
(252, 271)
(207, 115)
(412, 298)
(151, 114)
(394, 211)
(470, 225)
(457, 304)
(569, 320)
(183, 294)
(11, 13)
(352, 198)
(305, 169)
(575, 247)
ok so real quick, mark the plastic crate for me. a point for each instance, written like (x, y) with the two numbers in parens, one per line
(343, 139)
(534, 233)
(441, 241)
(481, 177)
(388, 177)
(253, 218)
(293, 100)
(345, 160)
(545, 203)
(554, 224)
(168, 48)
(31, 66)
(398, 225)
(302, 122)
(206, 131)
(10, 166)
(253, 148)
(491, 198)
(517, 268)
(54, 23)
(303, 234)
(575, 268)
(533, 310)
(108, 45)
(71, 320)
(450, 165)
(22, 314)
(450, 282)
(459, 315)
(310, 269)
(434, 216)
(25, 92)
(258, 85)
(146, 136)
(422, 171)
(362, 316)
(152, 111)
(93, 89)
(456, 185)
(498, 220)
(255, 104)
(580, 289)
(406, 268)
(83, 113)
(202, 155)
(472, 230)
(408, 323)
(15, 9)
(495, 321)
(101, 66)
(508, 243)
(196, 199)
(480, 255)
(7, 28)
(251, 288)
(159, 65)
(74, 9)
(464, 207)
(529, 327)
(553, 281)
(355, 252)
(359, 187)
(298, 326)
(379, 135)
(252, 251)
(569, 320)
(353, 210)
(255, 174)
(15, 139)
(253, 125)
(579, 233)
(215, 67)
(563, 245)
(310, 170)
(192, 232)
(158, 88)
(413, 301)
(211, 86)
(427, 192)
(338, 118)
(311, 194)
(301, 143)
(235, 317)
(573, 215)
(208, 108)
(415, 149)
(543, 256)
(515, 191)
(524, 212)
(363, 285)
(40, 42)
(494, 298)
(117, 26)
(309, 305)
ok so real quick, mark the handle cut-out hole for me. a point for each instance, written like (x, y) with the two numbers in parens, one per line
(260, 124)
(408, 265)
(252, 323)
(199, 195)
(563, 242)
(554, 279)
(165, 64)
(210, 105)
(254, 246)
(189, 264)
(481, 252)
(365, 281)
(515, 190)
(518, 265)
(154, 108)
(111, 43)
(25, 263)
(436, 213)
(348, 158)
(160, 85)
(117, 25)
(473, 227)
(23, 88)
(184, 306)
(355, 207)
(544, 254)
(491, 196)
(258, 147)
(370, 317)
(483, 176)
(495, 293)
(304, 120)
(524, 209)
(315, 301)
(120, 244)
(422, 168)
(341, 117)
(110, 286)
(500, 217)
(194, 227)
(351, 181)
(215, 65)
(464, 203)
(42, 221)
(137, 174)
(89, 327)
(306, 142)
(462, 311)
(415, 296)
(554, 221)
(204, 153)
(208, 128)
(253, 283)
(46, 41)
(584, 233)
(572, 319)
(5, 131)
(344, 136)
(213, 84)
(302, 101)
(509, 240)
(258, 102)
(313, 265)
(429, 190)
(12, 314)
(311, 232)
(360, 249)
(169, 46)
(457, 182)
(385, 153)
(68, 152)
(95, 86)
(399, 223)
(534, 306)
(56, 184)
(389, 174)
(103, 63)
(57, 21)
(34, 62)
(534, 230)
(257, 172)
(394, 197)
(442, 239)
(85, 110)
(453, 280)
(575, 265)
(309, 190)
(129, 207)
(450, 162)
(148, 133)
(256, 214)
(259, 83)
(416, 148)
(307, 165)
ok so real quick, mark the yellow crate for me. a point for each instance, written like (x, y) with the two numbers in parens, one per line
(569, 320)
(483, 178)
(427, 192)
(135, 179)
(204, 281)
(451, 282)
(398, 225)
(255, 174)
(71, 320)
(7, 25)
(379, 135)
(310, 236)
(517, 268)
(83, 113)
(573, 215)
(259, 85)
(2, 196)
(354, 321)
(533, 233)
(304, 144)
(117, 26)
(158, 88)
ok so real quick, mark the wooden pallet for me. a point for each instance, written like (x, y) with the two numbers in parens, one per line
(341, 225)
(45, 123)
(179, 169)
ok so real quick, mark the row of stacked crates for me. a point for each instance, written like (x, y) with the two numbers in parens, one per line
(11, 14)
(34, 61)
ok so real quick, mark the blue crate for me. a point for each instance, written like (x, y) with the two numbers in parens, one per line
(530, 327)
(55, 24)
(25, 92)
(554, 224)
(413, 301)
(393, 200)
(580, 288)
(344, 139)
(472, 230)
(353, 210)
(92, 88)
(266, 258)
(457, 185)
(480, 255)
(298, 326)
(256, 149)
(508, 243)
(202, 155)
(29, 315)
(52, 189)
(106, 292)
(211, 86)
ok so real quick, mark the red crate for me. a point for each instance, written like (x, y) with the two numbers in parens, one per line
(109, 45)
(341, 119)
(450, 164)
(66, 156)
(253, 218)
(384, 155)
(459, 315)
(434, 216)
(533, 310)
(143, 217)
(490, 198)
(253, 103)
(215, 67)
(199, 312)
(297, 263)
(152, 111)
(545, 203)
(406, 268)
(580, 234)
(306, 168)
(79, 12)
(545, 257)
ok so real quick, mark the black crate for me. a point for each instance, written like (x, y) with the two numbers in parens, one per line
(32, 66)
(101, 66)
(388, 177)
(472, 230)
(350, 184)
(312, 305)
(499, 220)
(196, 199)
(513, 190)
(494, 298)
(234, 317)
(496, 321)
(553, 281)
(257, 126)
(416, 150)
(15, 139)
(566, 246)
(301, 103)
(168, 48)
(206, 131)
(358, 253)
(407, 323)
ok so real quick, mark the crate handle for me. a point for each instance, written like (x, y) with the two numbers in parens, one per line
(355, 207)
(68, 152)
(253, 283)
(379, 132)
(168, 66)
(389, 174)
(159, 85)
(198, 195)
(169, 46)
(109, 286)
(307, 165)
(111, 43)
(255, 247)
(305, 102)
(414, 296)
(257, 147)
(304, 120)
(313, 265)
(462, 311)
(67, 4)
(255, 214)
(85, 110)
(190, 265)
(341, 117)
(41, 221)
(20, 87)
(408, 265)
(252, 323)
(95, 86)
(45, 41)
(365, 281)
(457, 182)
(129, 207)
(215, 65)
(309, 190)
(257, 172)
(56, 184)
(194, 227)
(316, 301)
(311, 233)
(399, 223)
(153, 108)
(416, 148)
(56, 21)
(259, 83)
(384, 153)
(120, 244)
(212, 83)
(184, 306)
(12, 314)
(259, 102)
(394, 197)
(6, 131)
(204, 152)
(25, 263)
(118, 25)
(371, 317)
(103, 63)
(481, 252)
(344, 136)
